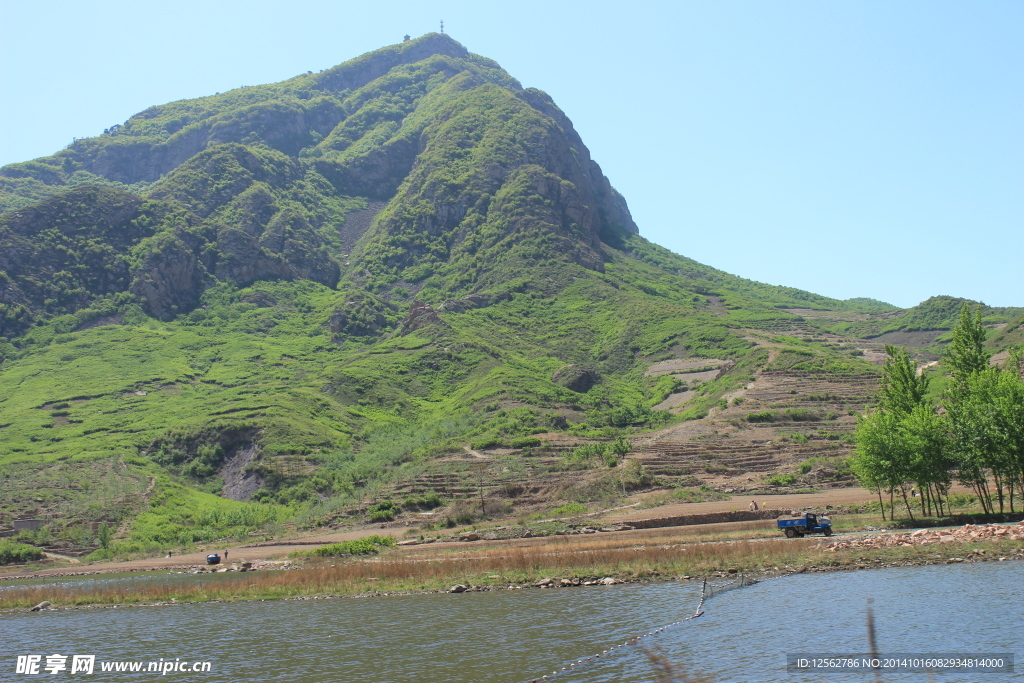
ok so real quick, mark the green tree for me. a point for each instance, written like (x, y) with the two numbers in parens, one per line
(925, 434)
(901, 443)
(104, 536)
(875, 461)
(902, 389)
(1009, 416)
(966, 354)
(970, 405)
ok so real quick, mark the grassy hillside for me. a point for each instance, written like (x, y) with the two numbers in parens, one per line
(279, 304)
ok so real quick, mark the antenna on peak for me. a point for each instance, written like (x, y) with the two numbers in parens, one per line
(442, 26)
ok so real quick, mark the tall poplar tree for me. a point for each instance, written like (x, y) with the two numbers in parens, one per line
(969, 404)
(901, 442)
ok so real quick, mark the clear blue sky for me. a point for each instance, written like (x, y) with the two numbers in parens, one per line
(847, 148)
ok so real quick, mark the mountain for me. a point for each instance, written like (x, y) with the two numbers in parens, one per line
(395, 277)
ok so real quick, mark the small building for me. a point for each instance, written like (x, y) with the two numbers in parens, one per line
(29, 524)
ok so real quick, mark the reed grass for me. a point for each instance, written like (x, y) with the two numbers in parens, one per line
(403, 570)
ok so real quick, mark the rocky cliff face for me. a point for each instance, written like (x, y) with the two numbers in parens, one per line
(60, 254)
(469, 180)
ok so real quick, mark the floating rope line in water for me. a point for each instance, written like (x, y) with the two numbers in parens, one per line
(706, 591)
(618, 648)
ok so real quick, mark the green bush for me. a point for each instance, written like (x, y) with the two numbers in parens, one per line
(798, 438)
(383, 511)
(586, 451)
(765, 416)
(961, 500)
(570, 509)
(362, 546)
(781, 480)
(18, 553)
(801, 415)
(698, 494)
(426, 502)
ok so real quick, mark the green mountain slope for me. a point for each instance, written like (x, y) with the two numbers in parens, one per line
(311, 292)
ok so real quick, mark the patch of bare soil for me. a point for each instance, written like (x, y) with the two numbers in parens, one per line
(917, 339)
(783, 503)
(676, 402)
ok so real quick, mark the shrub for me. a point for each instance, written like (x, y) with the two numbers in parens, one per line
(781, 480)
(801, 415)
(383, 511)
(698, 494)
(586, 451)
(570, 509)
(961, 500)
(463, 511)
(360, 546)
(18, 553)
(426, 502)
(765, 416)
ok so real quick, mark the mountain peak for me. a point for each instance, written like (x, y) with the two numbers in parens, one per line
(357, 72)
(460, 178)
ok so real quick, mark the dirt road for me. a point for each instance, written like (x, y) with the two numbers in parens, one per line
(835, 498)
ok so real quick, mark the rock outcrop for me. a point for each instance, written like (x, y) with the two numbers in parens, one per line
(579, 378)
(421, 315)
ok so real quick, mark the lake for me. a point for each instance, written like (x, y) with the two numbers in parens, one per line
(510, 636)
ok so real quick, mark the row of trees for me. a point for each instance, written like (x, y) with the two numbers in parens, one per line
(974, 435)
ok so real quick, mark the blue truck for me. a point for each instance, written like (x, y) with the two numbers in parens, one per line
(809, 523)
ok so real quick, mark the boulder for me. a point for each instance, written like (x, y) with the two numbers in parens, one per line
(458, 588)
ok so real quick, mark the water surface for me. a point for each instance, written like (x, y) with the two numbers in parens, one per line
(511, 636)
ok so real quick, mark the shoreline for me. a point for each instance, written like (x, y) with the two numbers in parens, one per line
(768, 574)
(557, 564)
